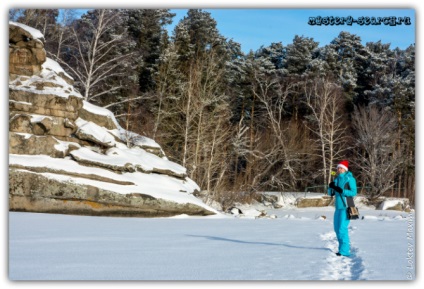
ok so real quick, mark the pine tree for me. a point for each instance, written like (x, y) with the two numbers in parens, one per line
(379, 64)
(274, 53)
(147, 28)
(351, 55)
(324, 63)
(195, 35)
(298, 55)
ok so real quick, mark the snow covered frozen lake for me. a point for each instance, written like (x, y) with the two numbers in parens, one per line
(297, 245)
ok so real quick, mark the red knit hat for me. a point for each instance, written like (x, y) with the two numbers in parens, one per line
(343, 164)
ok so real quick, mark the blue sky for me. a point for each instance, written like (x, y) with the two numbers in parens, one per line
(255, 27)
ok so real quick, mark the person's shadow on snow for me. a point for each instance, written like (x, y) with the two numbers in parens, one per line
(258, 243)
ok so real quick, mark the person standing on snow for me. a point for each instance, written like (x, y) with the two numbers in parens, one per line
(344, 185)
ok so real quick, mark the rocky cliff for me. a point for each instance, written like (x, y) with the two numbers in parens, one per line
(71, 157)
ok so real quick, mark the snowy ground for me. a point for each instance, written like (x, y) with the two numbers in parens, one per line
(298, 245)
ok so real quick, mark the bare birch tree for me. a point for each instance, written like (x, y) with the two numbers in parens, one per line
(377, 157)
(286, 148)
(193, 108)
(209, 112)
(168, 84)
(63, 32)
(324, 100)
(97, 58)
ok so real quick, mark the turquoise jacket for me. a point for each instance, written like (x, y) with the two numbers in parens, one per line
(348, 191)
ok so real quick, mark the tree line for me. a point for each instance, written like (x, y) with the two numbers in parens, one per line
(275, 119)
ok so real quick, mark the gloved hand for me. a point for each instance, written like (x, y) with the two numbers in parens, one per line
(331, 186)
(336, 188)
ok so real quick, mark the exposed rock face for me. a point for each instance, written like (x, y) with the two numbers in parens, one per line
(69, 156)
(36, 193)
(29, 144)
(26, 53)
(313, 202)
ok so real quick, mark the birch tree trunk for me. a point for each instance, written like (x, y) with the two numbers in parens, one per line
(324, 100)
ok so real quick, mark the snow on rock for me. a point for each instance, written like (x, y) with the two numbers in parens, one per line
(129, 160)
(235, 211)
(137, 140)
(397, 204)
(253, 213)
(37, 85)
(389, 204)
(287, 200)
(145, 182)
(105, 118)
(97, 110)
(51, 65)
(49, 81)
(65, 146)
(39, 118)
(362, 202)
(90, 131)
(294, 199)
(99, 115)
(247, 211)
(147, 161)
(35, 33)
(24, 135)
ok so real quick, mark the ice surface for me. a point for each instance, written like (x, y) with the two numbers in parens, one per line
(301, 247)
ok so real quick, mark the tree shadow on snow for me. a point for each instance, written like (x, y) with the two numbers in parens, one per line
(259, 243)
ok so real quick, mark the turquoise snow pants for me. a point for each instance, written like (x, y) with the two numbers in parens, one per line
(341, 223)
